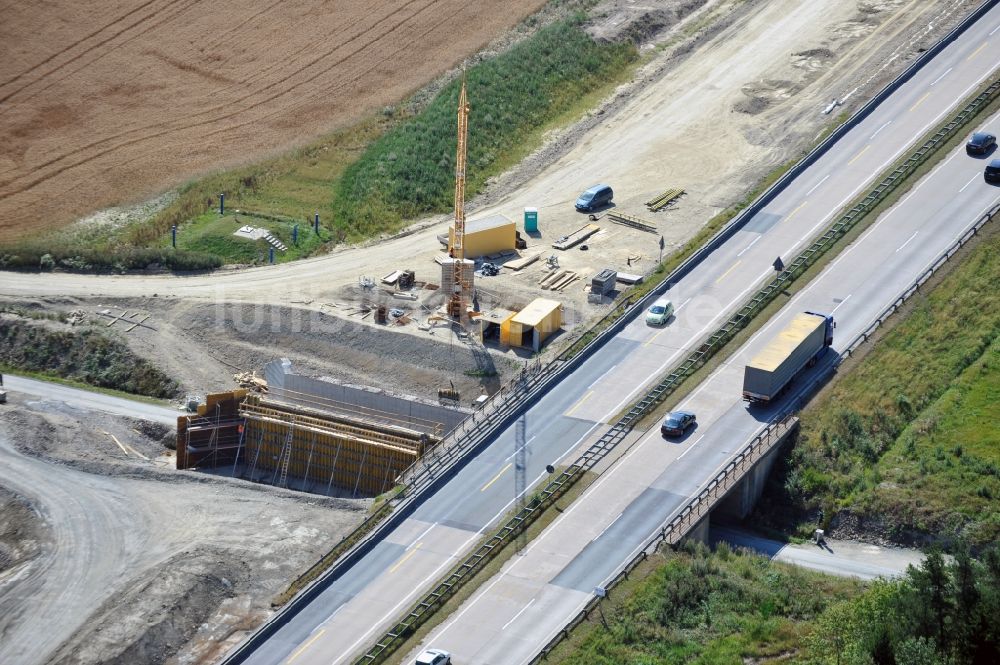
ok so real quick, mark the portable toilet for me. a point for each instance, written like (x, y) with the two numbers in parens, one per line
(531, 220)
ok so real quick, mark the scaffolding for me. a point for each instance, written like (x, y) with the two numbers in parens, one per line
(361, 460)
(292, 446)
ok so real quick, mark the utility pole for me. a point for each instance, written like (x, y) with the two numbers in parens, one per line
(520, 462)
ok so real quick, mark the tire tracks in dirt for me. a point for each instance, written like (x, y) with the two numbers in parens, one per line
(8, 96)
(147, 136)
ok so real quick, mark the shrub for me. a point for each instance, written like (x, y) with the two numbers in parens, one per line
(99, 259)
(87, 356)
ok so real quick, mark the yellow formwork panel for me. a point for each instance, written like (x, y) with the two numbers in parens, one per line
(352, 458)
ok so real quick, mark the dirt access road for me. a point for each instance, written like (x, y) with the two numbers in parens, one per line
(106, 557)
(113, 102)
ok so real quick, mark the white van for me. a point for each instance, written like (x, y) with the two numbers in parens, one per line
(660, 312)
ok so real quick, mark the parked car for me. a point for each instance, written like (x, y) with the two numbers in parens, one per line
(596, 197)
(677, 422)
(981, 143)
(434, 657)
(992, 172)
(660, 312)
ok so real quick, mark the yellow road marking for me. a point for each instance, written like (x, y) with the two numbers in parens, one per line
(306, 645)
(792, 213)
(577, 405)
(855, 158)
(496, 477)
(921, 100)
(733, 267)
(650, 340)
(976, 52)
(408, 555)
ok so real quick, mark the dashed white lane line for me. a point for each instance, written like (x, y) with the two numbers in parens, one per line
(942, 76)
(907, 241)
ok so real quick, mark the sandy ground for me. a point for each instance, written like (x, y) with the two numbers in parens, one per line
(113, 102)
(106, 557)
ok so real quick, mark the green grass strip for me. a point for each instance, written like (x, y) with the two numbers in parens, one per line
(410, 170)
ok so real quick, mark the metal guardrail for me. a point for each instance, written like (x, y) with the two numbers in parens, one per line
(706, 498)
(716, 488)
(714, 343)
(908, 293)
(546, 376)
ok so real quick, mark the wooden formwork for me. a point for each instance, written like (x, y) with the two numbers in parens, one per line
(288, 444)
(212, 437)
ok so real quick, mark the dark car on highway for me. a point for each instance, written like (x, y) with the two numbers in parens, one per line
(676, 423)
(980, 143)
(992, 172)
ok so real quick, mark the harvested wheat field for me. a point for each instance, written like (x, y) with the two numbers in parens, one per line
(111, 102)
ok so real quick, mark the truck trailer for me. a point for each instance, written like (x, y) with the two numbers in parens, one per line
(801, 343)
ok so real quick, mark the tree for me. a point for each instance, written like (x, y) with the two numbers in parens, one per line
(930, 604)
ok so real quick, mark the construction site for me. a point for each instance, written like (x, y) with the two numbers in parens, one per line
(308, 389)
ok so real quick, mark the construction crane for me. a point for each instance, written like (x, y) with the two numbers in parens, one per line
(461, 287)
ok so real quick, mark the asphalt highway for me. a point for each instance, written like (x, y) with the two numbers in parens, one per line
(599, 532)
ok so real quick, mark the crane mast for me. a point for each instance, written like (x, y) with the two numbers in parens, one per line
(460, 293)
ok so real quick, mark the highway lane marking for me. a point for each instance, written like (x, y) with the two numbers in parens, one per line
(693, 444)
(548, 530)
(942, 76)
(872, 229)
(487, 589)
(801, 205)
(847, 252)
(920, 101)
(523, 610)
(752, 243)
(881, 128)
(974, 178)
(993, 30)
(334, 613)
(733, 267)
(882, 167)
(406, 557)
(681, 305)
(580, 402)
(976, 52)
(577, 443)
(907, 241)
(841, 303)
(496, 477)
(858, 156)
(816, 186)
(421, 536)
(517, 450)
(673, 356)
(822, 221)
(601, 377)
(609, 526)
(575, 503)
(307, 644)
(658, 333)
